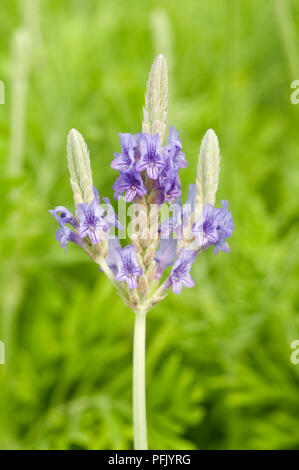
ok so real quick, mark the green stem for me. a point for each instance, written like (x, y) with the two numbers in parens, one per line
(139, 409)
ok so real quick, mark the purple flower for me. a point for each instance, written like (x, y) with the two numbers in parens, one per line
(214, 226)
(169, 184)
(151, 158)
(109, 218)
(125, 160)
(91, 221)
(112, 256)
(170, 192)
(167, 174)
(165, 255)
(180, 273)
(131, 183)
(205, 229)
(225, 228)
(173, 150)
(64, 234)
(127, 266)
(65, 215)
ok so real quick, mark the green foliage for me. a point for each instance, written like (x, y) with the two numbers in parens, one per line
(218, 356)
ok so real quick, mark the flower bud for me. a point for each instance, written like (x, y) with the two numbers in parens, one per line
(207, 169)
(133, 299)
(142, 285)
(79, 166)
(151, 272)
(156, 99)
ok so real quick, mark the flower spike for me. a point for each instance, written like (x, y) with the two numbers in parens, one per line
(162, 248)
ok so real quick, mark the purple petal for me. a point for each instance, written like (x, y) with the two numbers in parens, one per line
(141, 165)
(173, 136)
(188, 281)
(64, 215)
(153, 172)
(132, 282)
(165, 255)
(130, 195)
(177, 286)
(96, 195)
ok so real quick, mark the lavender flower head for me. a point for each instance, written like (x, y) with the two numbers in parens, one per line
(149, 173)
(143, 154)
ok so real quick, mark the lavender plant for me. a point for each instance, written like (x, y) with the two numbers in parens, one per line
(162, 247)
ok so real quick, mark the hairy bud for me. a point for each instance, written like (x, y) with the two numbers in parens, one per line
(207, 169)
(142, 285)
(156, 99)
(79, 166)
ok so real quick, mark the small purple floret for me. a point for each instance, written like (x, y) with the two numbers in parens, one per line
(225, 228)
(65, 215)
(126, 159)
(128, 268)
(180, 273)
(165, 255)
(170, 191)
(214, 226)
(112, 255)
(151, 158)
(64, 234)
(173, 150)
(91, 221)
(131, 183)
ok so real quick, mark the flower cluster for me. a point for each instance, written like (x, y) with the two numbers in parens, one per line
(159, 258)
(145, 269)
(91, 224)
(213, 227)
(144, 165)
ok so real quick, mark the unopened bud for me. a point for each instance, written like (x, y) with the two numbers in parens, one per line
(156, 99)
(133, 299)
(149, 254)
(79, 166)
(142, 285)
(140, 261)
(151, 272)
(207, 169)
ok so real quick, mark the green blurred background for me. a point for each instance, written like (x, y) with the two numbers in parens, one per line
(219, 374)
